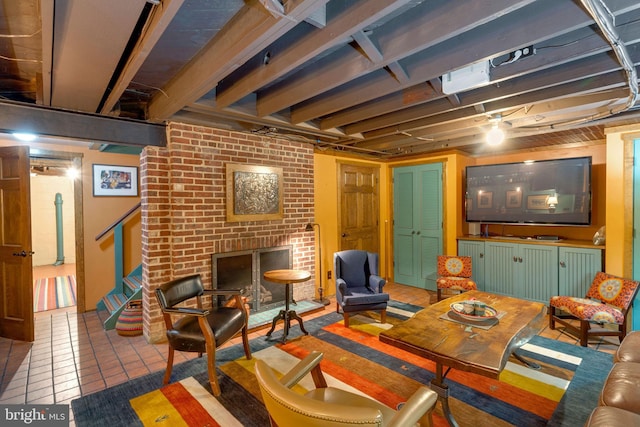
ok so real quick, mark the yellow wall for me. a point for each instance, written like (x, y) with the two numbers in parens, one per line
(326, 197)
(619, 225)
(99, 213)
(604, 182)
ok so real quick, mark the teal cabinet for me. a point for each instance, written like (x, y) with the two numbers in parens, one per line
(474, 249)
(521, 270)
(501, 262)
(577, 267)
(534, 272)
(538, 272)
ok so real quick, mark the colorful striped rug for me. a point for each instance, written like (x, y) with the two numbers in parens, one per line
(562, 393)
(54, 292)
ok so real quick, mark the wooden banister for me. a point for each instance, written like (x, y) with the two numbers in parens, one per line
(118, 221)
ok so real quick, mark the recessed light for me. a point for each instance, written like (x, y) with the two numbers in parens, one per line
(25, 136)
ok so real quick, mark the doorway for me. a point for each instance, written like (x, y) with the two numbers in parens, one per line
(53, 221)
(53, 235)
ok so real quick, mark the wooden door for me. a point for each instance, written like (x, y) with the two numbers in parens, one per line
(359, 208)
(16, 280)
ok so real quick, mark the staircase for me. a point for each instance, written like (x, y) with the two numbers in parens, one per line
(116, 300)
(127, 288)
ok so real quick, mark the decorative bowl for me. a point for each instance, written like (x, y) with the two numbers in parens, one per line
(489, 313)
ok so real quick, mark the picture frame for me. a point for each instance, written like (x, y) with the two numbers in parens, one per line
(537, 202)
(254, 193)
(485, 200)
(115, 180)
(513, 199)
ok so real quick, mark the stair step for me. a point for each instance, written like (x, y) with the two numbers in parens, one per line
(133, 283)
(114, 302)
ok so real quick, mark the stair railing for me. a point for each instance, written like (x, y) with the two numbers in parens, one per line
(118, 246)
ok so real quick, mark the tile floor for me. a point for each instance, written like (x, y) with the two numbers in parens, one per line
(74, 356)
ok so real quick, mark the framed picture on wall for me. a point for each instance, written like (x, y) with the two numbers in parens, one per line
(485, 200)
(113, 180)
(514, 199)
(254, 193)
(537, 202)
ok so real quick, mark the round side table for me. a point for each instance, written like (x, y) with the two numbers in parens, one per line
(287, 278)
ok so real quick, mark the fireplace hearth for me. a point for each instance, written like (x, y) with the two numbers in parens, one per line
(245, 269)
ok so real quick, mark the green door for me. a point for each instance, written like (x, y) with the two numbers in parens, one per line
(417, 228)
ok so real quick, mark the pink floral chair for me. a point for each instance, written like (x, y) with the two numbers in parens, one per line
(607, 302)
(454, 273)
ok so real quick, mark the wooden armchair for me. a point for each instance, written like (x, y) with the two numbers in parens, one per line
(197, 329)
(607, 302)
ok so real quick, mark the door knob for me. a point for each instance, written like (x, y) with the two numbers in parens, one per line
(23, 253)
(344, 234)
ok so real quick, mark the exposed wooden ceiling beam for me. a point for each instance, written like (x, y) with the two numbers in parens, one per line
(397, 39)
(250, 31)
(295, 51)
(502, 35)
(159, 21)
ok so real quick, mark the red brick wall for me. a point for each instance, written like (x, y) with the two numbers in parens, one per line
(183, 190)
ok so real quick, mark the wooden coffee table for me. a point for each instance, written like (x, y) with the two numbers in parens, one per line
(467, 347)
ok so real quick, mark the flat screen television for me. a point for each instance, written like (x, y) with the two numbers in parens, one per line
(548, 192)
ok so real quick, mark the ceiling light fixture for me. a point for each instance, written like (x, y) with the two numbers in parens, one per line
(495, 136)
(22, 136)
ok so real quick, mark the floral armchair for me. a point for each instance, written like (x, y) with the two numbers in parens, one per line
(607, 302)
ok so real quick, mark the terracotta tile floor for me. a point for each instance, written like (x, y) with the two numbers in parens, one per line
(73, 355)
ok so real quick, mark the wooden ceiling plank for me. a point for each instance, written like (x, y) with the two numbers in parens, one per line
(555, 97)
(425, 25)
(566, 48)
(582, 69)
(502, 36)
(250, 31)
(298, 51)
(158, 22)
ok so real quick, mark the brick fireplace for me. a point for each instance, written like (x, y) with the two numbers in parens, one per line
(184, 208)
(245, 269)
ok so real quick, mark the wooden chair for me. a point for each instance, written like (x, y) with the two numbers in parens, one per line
(326, 406)
(607, 302)
(197, 329)
(454, 273)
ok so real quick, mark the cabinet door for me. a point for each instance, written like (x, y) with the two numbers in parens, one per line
(537, 276)
(474, 249)
(577, 267)
(500, 267)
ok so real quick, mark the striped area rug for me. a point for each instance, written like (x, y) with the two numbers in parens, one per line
(354, 359)
(54, 292)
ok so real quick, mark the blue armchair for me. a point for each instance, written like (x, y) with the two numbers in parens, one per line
(358, 286)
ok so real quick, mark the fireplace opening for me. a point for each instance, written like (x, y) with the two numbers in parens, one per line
(245, 269)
